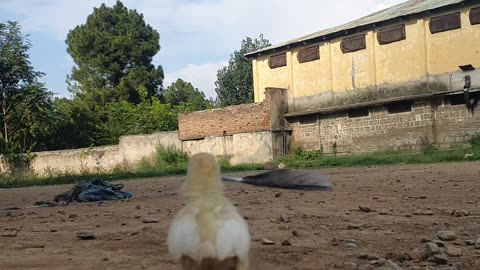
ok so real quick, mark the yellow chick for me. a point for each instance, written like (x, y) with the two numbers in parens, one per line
(208, 233)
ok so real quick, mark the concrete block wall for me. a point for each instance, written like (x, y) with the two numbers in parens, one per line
(428, 122)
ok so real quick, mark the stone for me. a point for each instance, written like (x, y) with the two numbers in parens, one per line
(355, 226)
(269, 165)
(286, 243)
(447, 235)
(453, 251)
(365, 209)
(11, 233)
(150, 220)
(138, 207)
(366, 267)
(284, 218)
(53, 230)
(372, 257)
(72, 215)
(392, 265)
(281, 165)
(460, 213)
(86, 235)
(278, 194)
(266, 241)
(431, 249)
(439, 259)
(295, 233)
(470, 242)
(350, 243)
(439, 243)
(416, 254)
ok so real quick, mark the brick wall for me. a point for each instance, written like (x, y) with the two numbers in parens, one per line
(427, 122)
(254, 117)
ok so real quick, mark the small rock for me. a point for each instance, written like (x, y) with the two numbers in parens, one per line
(366, 267)
(53, 230)
(281, 165)
(269, 165)
(460, 213)
(439, 243)
(72, 215)
(470, 242)
(439, 259)
(284, 218)
(138, 207)
(278, 195)
(372, 257)
(362, 256)
(295, 233)
(11, 233)
(379, 262)
(428, 213)
(415, 254)
(350, 243)
(365, 209)
(150, 220)
(355, 226)
(453, 251)
(244, 190)
(286, 243)
(61, 212)
(86, 234)
(266, 241)
(431, 249)
(447, 235)
(392, 265)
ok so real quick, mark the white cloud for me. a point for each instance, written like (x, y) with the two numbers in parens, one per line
(196, 33)
(201, 76)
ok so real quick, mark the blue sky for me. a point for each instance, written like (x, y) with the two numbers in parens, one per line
(196, 36)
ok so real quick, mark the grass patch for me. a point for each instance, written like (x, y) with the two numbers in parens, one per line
(430, 154)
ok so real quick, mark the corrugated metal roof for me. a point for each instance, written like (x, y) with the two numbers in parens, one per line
(404, 9)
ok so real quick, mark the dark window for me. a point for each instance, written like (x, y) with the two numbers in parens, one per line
(308, 54)
(456, 99)
(391, 34)
(399, 107)
(475, 16)
(360, 112)
(445, 23)
(276, 61)
(308, 119)
(353, 44)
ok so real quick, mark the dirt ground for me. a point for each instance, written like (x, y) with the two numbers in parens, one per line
(317, 225)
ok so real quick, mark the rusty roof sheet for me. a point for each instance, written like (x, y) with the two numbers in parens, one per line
(404, 9)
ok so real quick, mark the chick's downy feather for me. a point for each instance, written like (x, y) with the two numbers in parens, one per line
(208, 230)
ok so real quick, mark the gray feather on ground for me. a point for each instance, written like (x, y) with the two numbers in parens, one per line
(288, 179)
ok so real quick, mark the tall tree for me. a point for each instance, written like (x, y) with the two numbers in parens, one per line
(183, 92)
(26, 111)
(113, 54)
(234, 83)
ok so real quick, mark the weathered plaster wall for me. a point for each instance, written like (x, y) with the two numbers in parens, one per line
(423, 61)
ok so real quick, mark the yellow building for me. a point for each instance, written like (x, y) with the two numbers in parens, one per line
(417, 47)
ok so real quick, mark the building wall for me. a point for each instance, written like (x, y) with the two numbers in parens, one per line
(428, 122)
(254, 117)
(406, 66)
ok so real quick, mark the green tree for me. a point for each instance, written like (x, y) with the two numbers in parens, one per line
(113, 54)
(26, 110)
(234, 83)
(181, 92)
(77, 126)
